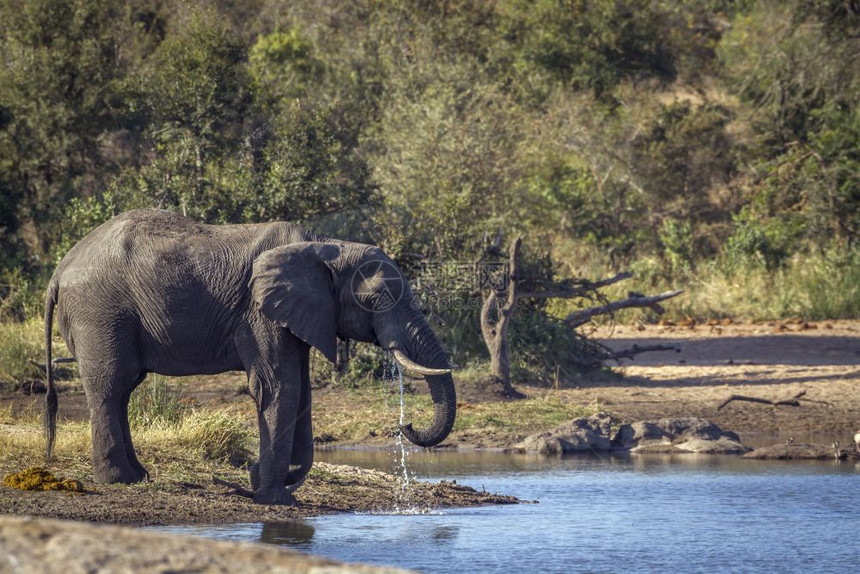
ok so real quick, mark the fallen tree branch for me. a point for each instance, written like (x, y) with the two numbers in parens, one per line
(579, 291)
(240, 490)
(637, 349)
(582, 316)
(791, 402)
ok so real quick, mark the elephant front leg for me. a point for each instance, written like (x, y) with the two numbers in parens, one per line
(302, 457)
(277, 425)
(301, 460)
(303, 439)
(273, 359)
(303, 452)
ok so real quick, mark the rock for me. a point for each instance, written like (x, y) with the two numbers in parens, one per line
(674, 435)
(793, 451)
(677, 435)
(587, 434)
(36, 545)
(631, 435)
(722, 445)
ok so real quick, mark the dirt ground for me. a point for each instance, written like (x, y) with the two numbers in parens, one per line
(773, 361)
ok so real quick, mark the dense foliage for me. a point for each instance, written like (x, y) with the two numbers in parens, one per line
(684, 132)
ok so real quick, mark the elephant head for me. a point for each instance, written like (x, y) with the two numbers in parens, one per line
(322, 290)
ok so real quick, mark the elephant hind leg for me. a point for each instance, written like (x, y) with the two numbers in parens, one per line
(111, 462)
(108, 390)
(126, 431)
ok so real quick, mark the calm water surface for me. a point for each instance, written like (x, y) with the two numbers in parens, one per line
(610, 514)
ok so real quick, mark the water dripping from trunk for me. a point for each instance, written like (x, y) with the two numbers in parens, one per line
(405, 500)
(399, 438)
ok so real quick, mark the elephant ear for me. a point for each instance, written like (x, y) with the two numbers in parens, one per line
(293, 286)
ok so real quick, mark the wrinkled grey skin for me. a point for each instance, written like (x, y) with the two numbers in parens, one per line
(153, 292)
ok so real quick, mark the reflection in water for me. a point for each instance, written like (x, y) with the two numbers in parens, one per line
(435, 464)
(287, 533)
(444, 534)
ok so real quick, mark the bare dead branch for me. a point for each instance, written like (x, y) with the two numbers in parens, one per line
(790, 402)
(582, 316)
(610, 280)
(638, 349)
(240, 490)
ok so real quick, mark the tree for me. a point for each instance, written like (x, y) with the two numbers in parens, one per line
(60, 66)
(795, 65)
(500, 304)
(502, 300)
(195, 91)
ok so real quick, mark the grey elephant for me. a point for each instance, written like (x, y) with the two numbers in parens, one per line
(153, 292)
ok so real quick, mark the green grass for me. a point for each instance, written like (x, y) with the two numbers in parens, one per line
(357, 415)
(521, 417)
(815, 287)
(19, 344)
(213, 435)
(202, 441)
(154, 402)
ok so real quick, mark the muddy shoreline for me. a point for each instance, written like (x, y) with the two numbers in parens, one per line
(329, 489)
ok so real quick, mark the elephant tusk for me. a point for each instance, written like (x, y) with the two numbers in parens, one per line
(411, 365)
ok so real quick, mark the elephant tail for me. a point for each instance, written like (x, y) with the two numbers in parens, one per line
(50, 414)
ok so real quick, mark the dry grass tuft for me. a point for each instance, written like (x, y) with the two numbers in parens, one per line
(201, 443)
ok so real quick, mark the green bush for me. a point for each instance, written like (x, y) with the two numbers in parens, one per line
(21, 298)
(546, 351)
(21, 343)
(768, 240)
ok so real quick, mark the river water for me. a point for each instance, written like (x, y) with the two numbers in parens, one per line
(681, 513)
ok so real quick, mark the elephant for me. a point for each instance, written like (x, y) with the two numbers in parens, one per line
(151, 291)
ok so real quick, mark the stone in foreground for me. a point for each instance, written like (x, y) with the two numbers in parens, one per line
(36, 545)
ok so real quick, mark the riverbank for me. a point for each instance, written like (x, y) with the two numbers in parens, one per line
(330, 488)
(768, 361)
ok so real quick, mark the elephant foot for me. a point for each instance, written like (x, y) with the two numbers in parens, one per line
(275, 495)
(294, 478)
(113, 474)
(139, 469)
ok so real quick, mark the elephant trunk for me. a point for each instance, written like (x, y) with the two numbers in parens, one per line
(422, 346)
(444, 413)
